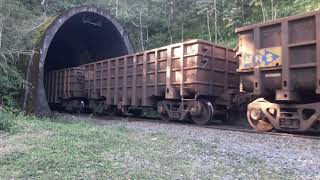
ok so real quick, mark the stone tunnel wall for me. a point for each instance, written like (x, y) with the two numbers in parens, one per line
(80, 35)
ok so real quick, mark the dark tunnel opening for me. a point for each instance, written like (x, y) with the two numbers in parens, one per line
(81, 35)
(84, 38)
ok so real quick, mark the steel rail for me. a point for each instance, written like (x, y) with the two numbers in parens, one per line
(305, 135)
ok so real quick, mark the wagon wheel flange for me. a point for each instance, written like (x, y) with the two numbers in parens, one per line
(258, 121)
(202, 112)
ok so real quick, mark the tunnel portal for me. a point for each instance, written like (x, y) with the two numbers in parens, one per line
(84, 38)
(80, 35)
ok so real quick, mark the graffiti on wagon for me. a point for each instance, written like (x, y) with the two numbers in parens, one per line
(268, 57)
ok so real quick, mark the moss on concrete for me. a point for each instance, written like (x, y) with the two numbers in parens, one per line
(42, 30)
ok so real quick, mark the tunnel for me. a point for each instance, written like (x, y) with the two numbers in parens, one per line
(86, 37)
(80, 35)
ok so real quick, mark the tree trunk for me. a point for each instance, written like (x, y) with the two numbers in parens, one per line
(44, 5)
(26, 91)
(147, 38)
(1, 30)
(208, 25)
(215, 22)
(242, 9)
(172, 11)
(273, 10)
(117, 6)
(141, 32)
(264, 12)
(182, 32)
(171, 17)
(170, 35)
(147, 34)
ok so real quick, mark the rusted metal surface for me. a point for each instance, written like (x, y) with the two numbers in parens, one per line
(189, 68)
(279, 57)
(290, 117)
(65, 84)
(280, 61)
(180, 80)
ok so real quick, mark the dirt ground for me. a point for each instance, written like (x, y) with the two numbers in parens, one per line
(87, 147)
(219, 153)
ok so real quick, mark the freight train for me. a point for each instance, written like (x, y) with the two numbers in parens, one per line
(194, 80)
(280, 65)
(278, 70)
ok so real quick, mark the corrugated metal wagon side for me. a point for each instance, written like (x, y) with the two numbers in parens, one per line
(65, 87)
(194, 79)
(280, 62)
(174, 79)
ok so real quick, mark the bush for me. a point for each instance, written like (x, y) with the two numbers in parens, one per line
(7, 123)
(11, 80)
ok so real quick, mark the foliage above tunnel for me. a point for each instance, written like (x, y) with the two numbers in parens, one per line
(162, 21)
(150, 23)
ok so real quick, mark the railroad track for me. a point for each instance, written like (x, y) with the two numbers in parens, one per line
(305, 135)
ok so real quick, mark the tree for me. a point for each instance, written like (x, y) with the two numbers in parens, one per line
(11, 40)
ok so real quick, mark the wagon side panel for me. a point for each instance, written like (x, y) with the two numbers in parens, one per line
(280, 59)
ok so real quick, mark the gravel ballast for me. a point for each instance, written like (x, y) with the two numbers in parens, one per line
(210, 153)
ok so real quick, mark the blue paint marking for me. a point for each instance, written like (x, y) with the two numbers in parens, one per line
(269, 57)
(261, 58)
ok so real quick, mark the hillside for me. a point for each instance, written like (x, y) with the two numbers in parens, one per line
(162, 21)
(150, 24)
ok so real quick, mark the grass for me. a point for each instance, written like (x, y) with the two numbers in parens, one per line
(6, 122)
(52, 149)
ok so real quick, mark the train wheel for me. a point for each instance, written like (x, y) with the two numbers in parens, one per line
(161, 106)
(114, 111)
(137, 113)
(256, 120)
(202, 112)
(165, 117)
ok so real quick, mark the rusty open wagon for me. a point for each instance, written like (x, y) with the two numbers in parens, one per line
(280, 63)
(193, 79)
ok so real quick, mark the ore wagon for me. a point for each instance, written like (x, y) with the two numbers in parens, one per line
(280, 63)
(195, 79)
(65, 88)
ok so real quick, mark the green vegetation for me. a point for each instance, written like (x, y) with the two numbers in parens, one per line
(7, 123)
(53, 149)
(150, 23)
(162, 21)
(11, 80)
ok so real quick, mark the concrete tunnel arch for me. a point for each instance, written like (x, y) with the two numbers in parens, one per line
(80, 35)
